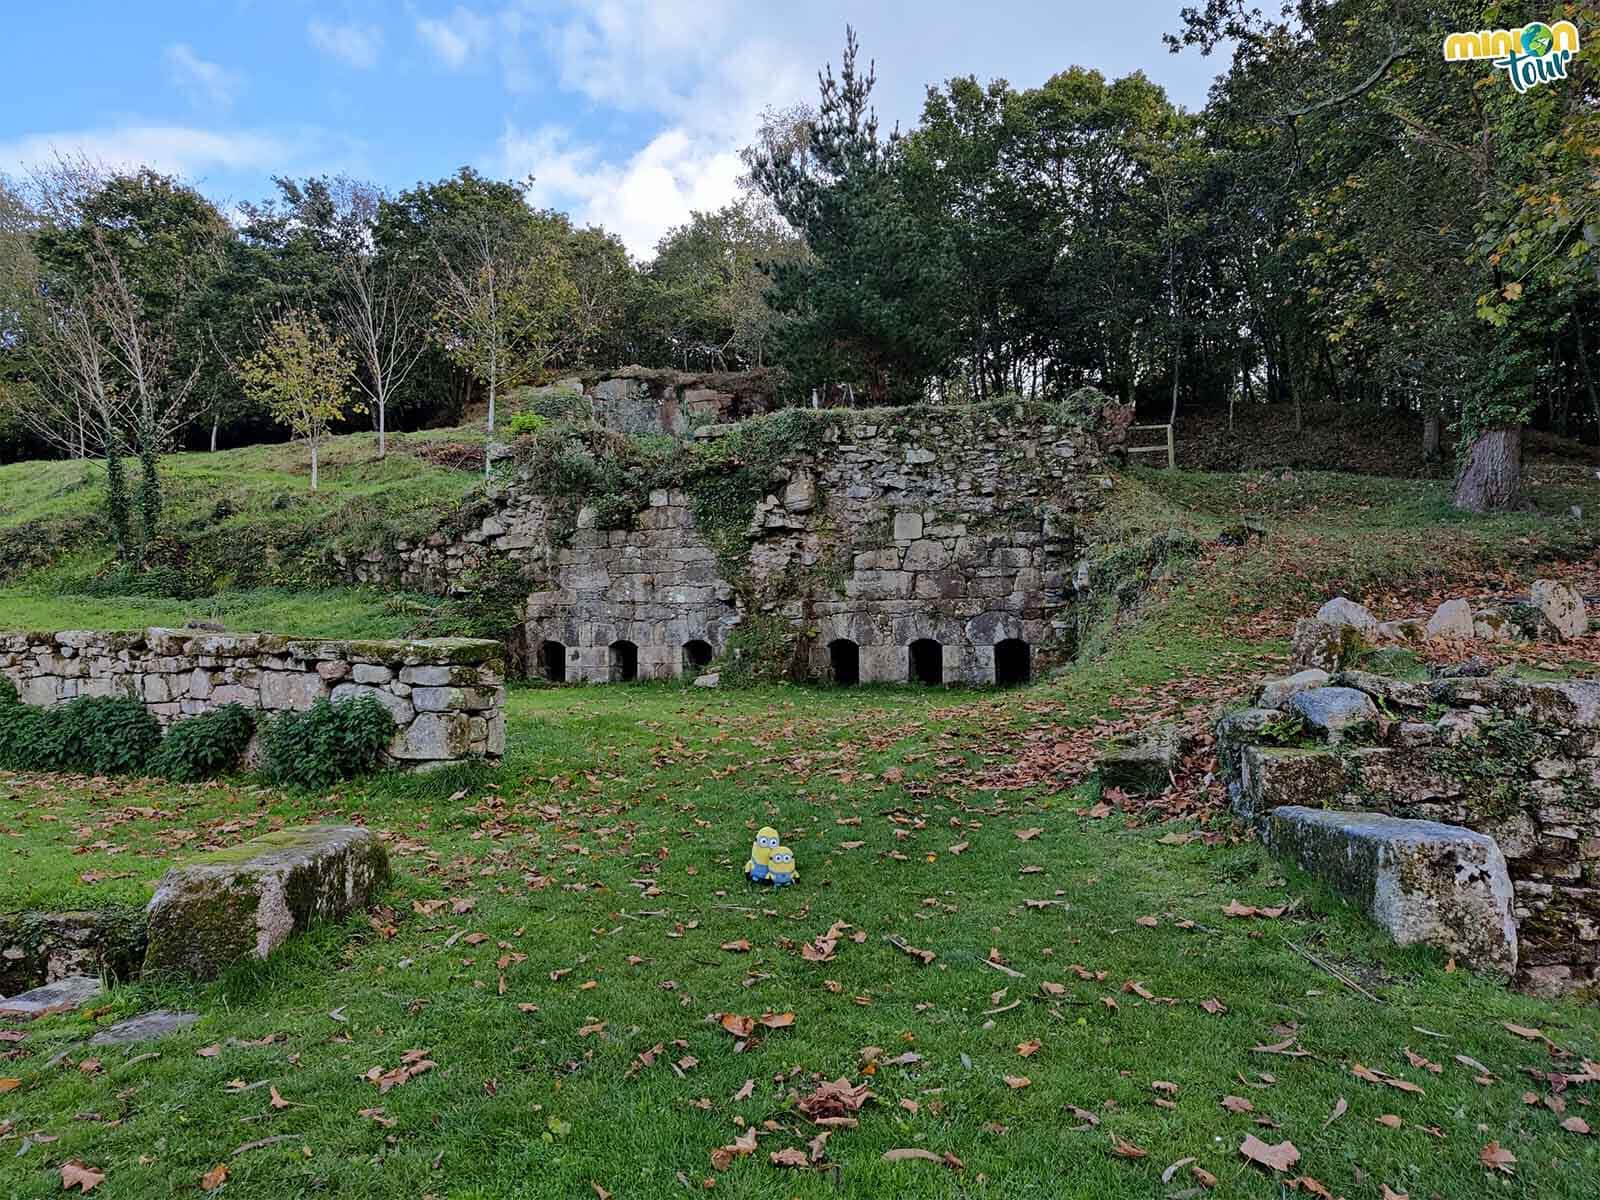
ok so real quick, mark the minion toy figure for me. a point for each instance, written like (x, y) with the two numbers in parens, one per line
(758, 866)
(780, 868)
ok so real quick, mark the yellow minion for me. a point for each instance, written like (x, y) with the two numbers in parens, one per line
(780, 868)
(759, 864)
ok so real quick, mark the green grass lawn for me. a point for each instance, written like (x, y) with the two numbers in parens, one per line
(331, 613)
(601, 867)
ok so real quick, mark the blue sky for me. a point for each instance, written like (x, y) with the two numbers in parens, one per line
(629, 113)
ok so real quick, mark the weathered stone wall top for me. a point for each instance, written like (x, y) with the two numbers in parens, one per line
(661, 400)
(445, 694)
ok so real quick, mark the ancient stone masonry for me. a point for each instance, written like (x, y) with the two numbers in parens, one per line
(446, 695)
(663, 401)
(1516, 760)
(922, 544)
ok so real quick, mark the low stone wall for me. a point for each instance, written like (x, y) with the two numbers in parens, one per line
(447, 695)
(659, 399)
(1514, 759)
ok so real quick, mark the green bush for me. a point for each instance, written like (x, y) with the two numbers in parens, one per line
(526, 423)
(326, 743)
(92, 735)
(203, 747)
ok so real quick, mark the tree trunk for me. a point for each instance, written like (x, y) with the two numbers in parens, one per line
(216, 419)
(1431, 425)
(313, 466)
(1491, 479)
(383, 442)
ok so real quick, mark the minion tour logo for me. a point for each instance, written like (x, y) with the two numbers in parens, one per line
(1534, 54)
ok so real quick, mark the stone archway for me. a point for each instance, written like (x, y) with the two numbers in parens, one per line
(697, 656)
(926, 662)
(844, 662)
(1013, 662)
(624, 661)
(553, 662)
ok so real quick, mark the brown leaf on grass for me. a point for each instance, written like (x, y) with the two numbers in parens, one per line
(926, 957)
(1126, 1149)
(958, 847)
(1088, 1118)
(274, 1099)
(1497, 1158)
(1369, 1075)
(210, 1051)
(836, 1100)
(789, 1156)
(737, 1025)
(214, 1178)
(1338, 1111)
(910, 1154)
(85, 1178)
(742, 946)
(1202, 1176)
(1286, 1048)
(1235, 909)
(1416, 1060)
(1147, 922)
(1051, 988)
(1135, 988)
(1027, 835)
(9, 1084)
(1281, 1157)
(600, 1192)
(1237, 1104)
(1575, 1125)
(745, 1092)
(1390, 1194)
(1522, 1031)
(1030, 1048)
(1214, 1006)
(1389, 1121)
(1314, 1186)
(1017, 1082)
(777, 1020)
(818, 1146)
(377, 1115)
(722, 1157)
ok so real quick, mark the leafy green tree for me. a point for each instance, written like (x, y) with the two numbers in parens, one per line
(301, 375)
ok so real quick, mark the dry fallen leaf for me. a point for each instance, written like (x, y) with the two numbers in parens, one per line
(789, 1156)
(1237, 1104)
(1030, 1048)
(1338, 1111)
(1575, 1125)
(1497, 1158)
(84, 1178)
(1281, 1157)
(1126, 1149)
(214, 1178)
(1016, 1082)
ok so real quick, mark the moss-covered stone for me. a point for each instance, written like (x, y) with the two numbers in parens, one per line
(245, 901)
(41, 947)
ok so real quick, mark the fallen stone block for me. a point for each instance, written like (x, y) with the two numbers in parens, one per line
(1324, 646)
(1273, 776)
(1335, 712)
(246, 901)
(1341, 611)
(708, 681)
(1142, 764)
(1275, 693)
(1234, 731)
(64, 995)
(146, 1027)
(1422, 882)
(42, 947)
(1562, 605)
(1452, 619)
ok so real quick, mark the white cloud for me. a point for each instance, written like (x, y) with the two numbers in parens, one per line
(170, 149)
(639, 198)
(456, 38)
(206, 82)
(355, 44)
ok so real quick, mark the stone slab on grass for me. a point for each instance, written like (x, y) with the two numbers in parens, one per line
(246, 901)
(64, 995)
(1273, 776)
(1333, 712)
(1275, 693)
(1142, 764)
(146, 1027)
(1422, 882)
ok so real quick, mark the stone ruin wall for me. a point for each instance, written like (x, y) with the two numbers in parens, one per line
(645, 400)
(1517, 761)
(962, 530)
(447, 695)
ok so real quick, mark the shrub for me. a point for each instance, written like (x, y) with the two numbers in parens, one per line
(93, 735)
(205, 746)
(526, 423)
(326, 743)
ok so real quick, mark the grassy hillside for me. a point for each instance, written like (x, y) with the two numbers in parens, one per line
(235, 519)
